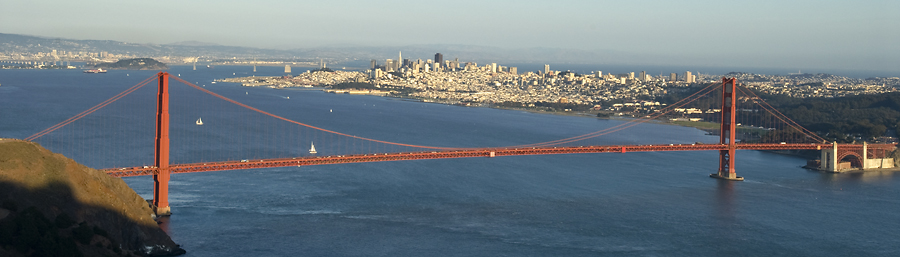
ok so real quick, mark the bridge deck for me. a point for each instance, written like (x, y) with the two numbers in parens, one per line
(487, 152)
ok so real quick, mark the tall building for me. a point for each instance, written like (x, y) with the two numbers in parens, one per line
(372, 64)
(643, 76)
(513, 70)
(546, 68)
(494, 67)
(688, 77)
(673, 77)
(438, 59)
(400, 60)
(389, 65)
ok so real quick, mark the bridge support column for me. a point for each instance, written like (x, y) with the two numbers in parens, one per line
(727, 131)
(161, 176)
(865, 154)
(828, 159)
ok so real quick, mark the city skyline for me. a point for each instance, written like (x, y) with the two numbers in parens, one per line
(795, 35)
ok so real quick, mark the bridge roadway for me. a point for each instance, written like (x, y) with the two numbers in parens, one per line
(487, 152)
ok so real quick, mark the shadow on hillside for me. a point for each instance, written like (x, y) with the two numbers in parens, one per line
(49, 221)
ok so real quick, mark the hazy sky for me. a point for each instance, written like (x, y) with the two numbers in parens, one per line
(862, 35)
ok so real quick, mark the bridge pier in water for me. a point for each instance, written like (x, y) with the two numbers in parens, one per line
(161, 176)
(727, 132)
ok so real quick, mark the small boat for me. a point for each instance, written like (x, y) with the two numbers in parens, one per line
(95, 71)
(199, 121)
(312, 148)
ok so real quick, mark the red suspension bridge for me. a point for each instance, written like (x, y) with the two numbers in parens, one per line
(771, 130)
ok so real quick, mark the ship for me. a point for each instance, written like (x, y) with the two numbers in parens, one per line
(312, 148)
(199, 122)
(95, 71)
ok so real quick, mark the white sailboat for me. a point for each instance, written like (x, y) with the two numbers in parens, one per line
(312, 148)
(199, 121)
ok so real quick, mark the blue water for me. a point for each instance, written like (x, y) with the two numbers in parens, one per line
(632, 204)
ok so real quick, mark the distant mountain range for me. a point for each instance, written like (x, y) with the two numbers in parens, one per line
(23, 43)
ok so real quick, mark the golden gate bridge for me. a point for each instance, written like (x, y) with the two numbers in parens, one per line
(772, 131)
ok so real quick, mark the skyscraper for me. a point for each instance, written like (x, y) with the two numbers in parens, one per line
(546, 68)
(673, 77)
(372, 64)
(643, 76)
(400, 60)
(687, 77)
(438, 59)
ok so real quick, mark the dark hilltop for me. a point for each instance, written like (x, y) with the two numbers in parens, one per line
(133, 64)
(52, 206)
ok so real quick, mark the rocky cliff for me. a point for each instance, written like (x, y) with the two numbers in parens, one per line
(52, 206)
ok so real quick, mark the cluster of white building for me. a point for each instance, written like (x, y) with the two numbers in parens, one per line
(448, 80)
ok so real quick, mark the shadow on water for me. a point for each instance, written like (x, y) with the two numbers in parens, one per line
(164, 224)
(869, 176)
(725, 223)
(725, 209)
(725, 200)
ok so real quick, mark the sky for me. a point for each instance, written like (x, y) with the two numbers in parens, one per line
(852, 35)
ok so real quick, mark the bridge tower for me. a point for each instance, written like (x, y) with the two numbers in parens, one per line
(727, 131)
(161, 176)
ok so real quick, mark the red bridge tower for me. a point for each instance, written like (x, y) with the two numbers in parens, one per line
(727, 131)
(161, 176)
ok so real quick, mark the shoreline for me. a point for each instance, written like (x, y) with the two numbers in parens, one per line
(699, 125)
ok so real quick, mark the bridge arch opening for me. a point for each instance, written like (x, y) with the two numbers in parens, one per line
(854, 159)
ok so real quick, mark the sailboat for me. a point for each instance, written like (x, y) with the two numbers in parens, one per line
(199, 121)
(312, 148)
